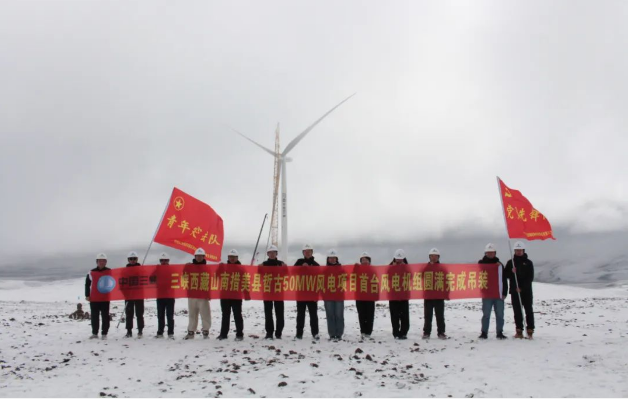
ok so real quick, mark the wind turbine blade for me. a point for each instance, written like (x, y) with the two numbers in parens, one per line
(257, 144)
(300, 137)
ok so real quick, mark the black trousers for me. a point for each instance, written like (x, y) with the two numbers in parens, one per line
(165, 308)
(136, 307)
(100, 309)
(312, 307)
(526, 298)
(268, 315)
(366, 316)
(400, 317)
(431, 306)
(226, 305)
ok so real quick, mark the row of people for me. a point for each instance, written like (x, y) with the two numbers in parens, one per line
(518, 276)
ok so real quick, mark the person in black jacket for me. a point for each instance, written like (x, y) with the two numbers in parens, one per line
(134, 306)
(312, 306)
(366, 309)
(400, 310)
(431, 306)
(498, 303)
(165, 307)
(521, 277)
(268, 305)
(99, 309)
(227, 305)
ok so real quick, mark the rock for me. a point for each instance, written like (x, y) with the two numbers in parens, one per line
(368, 357)
(283, 383)
(359, 350)
(252, 391)
(314, 365)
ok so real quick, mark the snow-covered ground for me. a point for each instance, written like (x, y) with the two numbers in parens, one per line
(580, 349)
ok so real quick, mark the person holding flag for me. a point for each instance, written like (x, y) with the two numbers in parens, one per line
(431, 306)
(366, 309)
(399, 310)
(335, 310)
(521, 275)
(312, 306)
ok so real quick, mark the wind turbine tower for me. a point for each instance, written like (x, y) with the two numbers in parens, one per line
(281, 158)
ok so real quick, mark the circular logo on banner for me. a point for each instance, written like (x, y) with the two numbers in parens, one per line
(179, 203)
(106, 284)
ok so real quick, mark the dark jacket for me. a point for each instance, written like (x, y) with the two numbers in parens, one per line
(88, 280)
(237, 263)
(525, 273)
(306, 262)
(392, 262)
(203, 262)
(486, 260)
(130, 265)
(272, 262)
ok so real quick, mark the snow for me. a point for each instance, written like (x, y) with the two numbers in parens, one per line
(580, 349)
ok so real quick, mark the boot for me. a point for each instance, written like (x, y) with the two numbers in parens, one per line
(519, 333)
(483, 335)
(530, 333)
(190, 335)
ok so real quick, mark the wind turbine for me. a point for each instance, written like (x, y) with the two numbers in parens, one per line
(281, 159)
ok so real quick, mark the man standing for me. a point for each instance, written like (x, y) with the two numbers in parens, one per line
(312, 306)
(196, 306)
(98, 309)
(165, 307)
(498, 304)
(399, 310)
(335, 310)
(521, 276)
(431, 306)
(134, 306)
(226, 305)
(366, 309)
(278, 305)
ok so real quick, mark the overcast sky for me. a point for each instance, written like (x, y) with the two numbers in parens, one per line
(106, 106)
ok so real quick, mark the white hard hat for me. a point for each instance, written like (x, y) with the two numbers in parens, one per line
(272, 248)
(365, 255)
(101, 256)
(307, 246)
(199, 251)
(233, 252)
(434, 251)
(490, 247)
(519, 245)
(332, 253)
(132, 254)
(400, 254)
(164, 256)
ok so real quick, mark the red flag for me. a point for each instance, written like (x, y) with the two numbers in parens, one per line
(189, 224)
(522, 219)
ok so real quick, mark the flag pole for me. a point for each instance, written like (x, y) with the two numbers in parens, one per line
(512, 258)
(146, 255)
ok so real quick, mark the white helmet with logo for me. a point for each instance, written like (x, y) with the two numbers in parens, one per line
(519, 245)
(332, 253)
(272, 248)
(400, 254)
(164, 256)
(434, 251)
(365, 255)
(132, 254)
(233, 252)
(490, 247)
(307, 246)
(199, 251)
(101, 256)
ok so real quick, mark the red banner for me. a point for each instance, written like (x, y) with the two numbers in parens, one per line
(189, 224)
(301, 283)
(522, 219)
